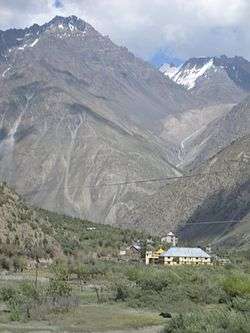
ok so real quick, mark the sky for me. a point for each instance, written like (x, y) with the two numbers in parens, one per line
(181, 28)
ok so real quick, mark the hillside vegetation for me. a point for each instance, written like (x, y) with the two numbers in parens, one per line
(30, 232)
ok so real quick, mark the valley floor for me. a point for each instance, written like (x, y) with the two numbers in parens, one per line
(90, 318)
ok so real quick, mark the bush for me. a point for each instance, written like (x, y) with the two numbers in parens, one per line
(19, 300)
(59, 288)
(7, 294)
(212, 322)
(237, 285)
(121, 290)
(19, 264)
(5, 263)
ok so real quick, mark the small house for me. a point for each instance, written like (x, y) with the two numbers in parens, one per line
(132, 252)
(170, 239)
(184, 256)
(152, 257)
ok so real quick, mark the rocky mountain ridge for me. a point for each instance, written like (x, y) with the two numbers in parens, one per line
(78, 112)
(215, 79)
(83, 121)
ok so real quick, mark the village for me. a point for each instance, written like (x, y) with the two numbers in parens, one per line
(168, 253)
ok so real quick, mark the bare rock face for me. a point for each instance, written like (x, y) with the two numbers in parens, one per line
(219, 134)
(222, 87)
(78, 112)
(217, 191)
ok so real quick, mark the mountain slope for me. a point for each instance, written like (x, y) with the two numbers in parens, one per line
(219, 134)
(218, 190)
(222, 85)
(27, 231)
(78, 111)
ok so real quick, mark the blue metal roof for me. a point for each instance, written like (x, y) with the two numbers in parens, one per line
(185, 252)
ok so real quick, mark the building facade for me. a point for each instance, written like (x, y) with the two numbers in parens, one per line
(184, 256)
(170, 239)
(152, 257)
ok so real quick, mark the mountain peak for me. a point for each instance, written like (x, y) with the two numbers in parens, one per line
(212, 68)
(65, 20)
(23, 38)
(70, 22)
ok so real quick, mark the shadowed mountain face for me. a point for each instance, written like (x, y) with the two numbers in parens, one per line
(218, 190)
(219, 134)
(222, 85)
(78, 111)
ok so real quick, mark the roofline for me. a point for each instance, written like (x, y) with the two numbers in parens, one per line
(205, 255)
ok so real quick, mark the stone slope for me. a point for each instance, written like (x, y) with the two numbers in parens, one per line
(78, 111)
(219, 134)
(218, 190)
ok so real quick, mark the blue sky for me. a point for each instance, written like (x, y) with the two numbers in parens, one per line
(185, 28)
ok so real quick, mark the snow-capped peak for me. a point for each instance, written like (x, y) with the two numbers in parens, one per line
(169, 70)
(188, 74)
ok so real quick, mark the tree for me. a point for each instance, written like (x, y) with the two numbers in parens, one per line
(59, 284)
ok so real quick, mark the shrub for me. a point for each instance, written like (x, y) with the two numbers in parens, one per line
(7, 293)
(237, 285)
(19, 300)
(5, 263)
(59, 288)
(121, 290)
(19, 263)
(212, 322)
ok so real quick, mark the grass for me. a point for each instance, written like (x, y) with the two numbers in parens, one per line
(88, 318)
(133, 295)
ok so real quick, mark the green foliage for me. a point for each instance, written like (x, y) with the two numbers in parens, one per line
(237, 285)
(20, 300)
(59, 288)
(222, 321)
(7, 293)
(121, 290)
(77, 235)
(59, 283)
(19, 263)
(5, 262)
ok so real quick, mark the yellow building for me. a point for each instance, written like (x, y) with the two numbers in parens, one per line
(184, 256)
(152, 257)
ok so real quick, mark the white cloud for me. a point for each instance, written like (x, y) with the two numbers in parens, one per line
(187, 27)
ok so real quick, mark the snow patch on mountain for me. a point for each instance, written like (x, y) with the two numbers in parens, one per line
(21, 48)
(5, 72)
(169, 70)
(34, 43)
(187, 77)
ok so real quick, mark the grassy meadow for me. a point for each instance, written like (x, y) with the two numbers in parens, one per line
(88, 289)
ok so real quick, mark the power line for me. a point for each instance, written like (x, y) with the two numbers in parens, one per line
(136, 181)
(212, 222)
